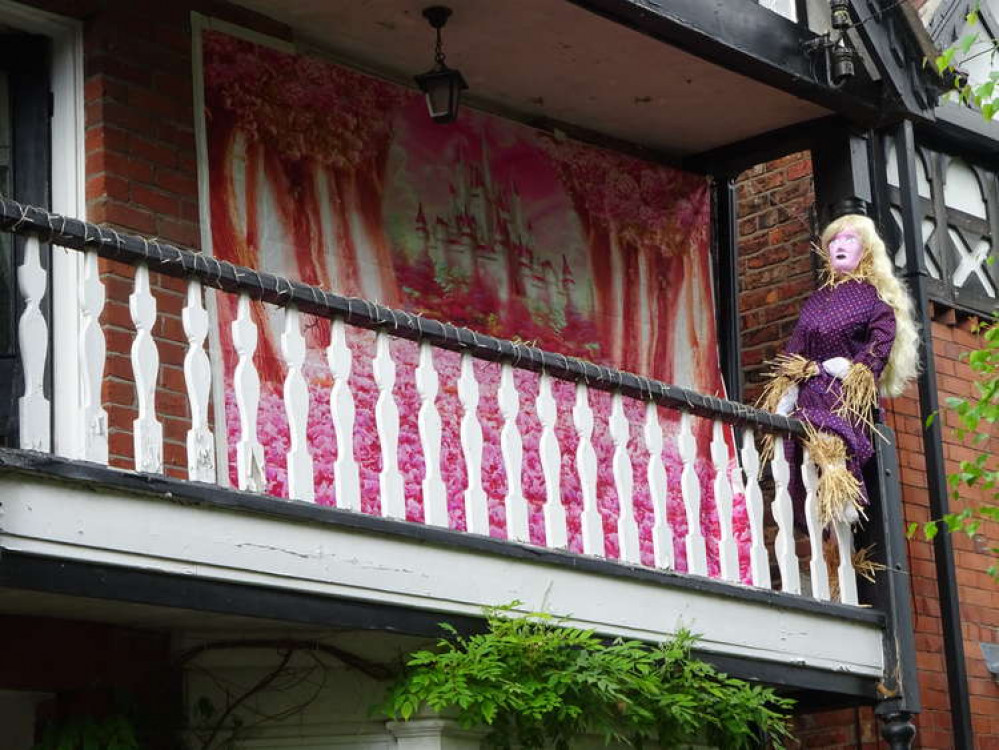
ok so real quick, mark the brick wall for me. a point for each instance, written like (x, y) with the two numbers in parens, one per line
(776, 276)
(141, 176)
(775, 265)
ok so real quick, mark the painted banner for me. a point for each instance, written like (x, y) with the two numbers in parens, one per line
(341, 180)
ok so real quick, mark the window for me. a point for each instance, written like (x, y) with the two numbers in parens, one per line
(959, 208)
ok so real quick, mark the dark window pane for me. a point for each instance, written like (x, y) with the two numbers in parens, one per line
(7, 281)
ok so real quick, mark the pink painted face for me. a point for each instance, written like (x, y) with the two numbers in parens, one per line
(845, 251)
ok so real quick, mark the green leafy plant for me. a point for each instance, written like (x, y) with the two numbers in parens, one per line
(116, 732)
(983, 95)
(535, 682)
(977, 417)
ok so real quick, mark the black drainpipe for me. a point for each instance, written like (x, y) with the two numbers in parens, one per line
(936, 478)
(726, 274)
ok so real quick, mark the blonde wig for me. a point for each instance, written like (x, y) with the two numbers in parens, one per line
(876, 267)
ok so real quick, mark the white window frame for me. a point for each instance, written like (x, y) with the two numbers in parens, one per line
(68, 178)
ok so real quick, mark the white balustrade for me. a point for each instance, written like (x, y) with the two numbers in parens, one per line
(590, 521)
(476, 503)
(662, 534)
(198, 379)
(556, 535)
(147, 431)
(697, 559)
(759, 560)
(301, 482)
(429, 420)
(250, 469)
(816, 565)
(627, 526)
(390, 484)
(783, 513)
(346, 475)
(512, 449)
(728, 551)
(93, 352)
(33, 408)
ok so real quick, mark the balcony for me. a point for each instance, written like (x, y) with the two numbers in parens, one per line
(675, 523)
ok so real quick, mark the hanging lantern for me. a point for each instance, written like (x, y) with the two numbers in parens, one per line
(441, 85)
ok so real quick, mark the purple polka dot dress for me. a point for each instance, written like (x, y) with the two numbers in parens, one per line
(846, 320)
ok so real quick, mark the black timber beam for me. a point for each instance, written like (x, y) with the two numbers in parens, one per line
(962, 130)
(748, 39)
(735, 158)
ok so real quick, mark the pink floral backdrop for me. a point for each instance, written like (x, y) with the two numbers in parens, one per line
(341, 180)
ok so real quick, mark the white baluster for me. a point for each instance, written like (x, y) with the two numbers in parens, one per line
(93, 353)
(250, 472)
(513, 457)
(346, 477)
(847, 575)
(728, 551)
(147, 429)
(393, 498)
(591, 523)
(759, 560)
(627, 526)
(34, 411)
(551, 465)
(476, 504)
(198, 377)
(783, 513)
(816, 565)
(301, 481)
(690, 486)
(662, 534)
(434, 491)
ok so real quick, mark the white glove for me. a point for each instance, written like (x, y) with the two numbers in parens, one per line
(788, 401)
(838, 367)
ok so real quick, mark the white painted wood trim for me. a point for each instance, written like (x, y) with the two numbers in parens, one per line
(783, 513)
(627, 526)
(476, 503)
(93, 355)
(251, 473)
(198, 380)
(556, 533)
(68, 177)
(67, 521)
(301, 480)
(346, 475)
(390, 484)
(728, 551)
(662, 533)
(429, 421)
(147, 429)
(843, 533)
(512, 448)
(34, 412)
(590, 521)
(759, 560)
(816, 564)
(697, 554)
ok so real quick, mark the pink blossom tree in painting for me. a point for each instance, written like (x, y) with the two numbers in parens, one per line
(340, 180)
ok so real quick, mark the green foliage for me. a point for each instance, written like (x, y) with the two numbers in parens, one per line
(115, 732)
(537, 683)
(977, 418)
(984, 96)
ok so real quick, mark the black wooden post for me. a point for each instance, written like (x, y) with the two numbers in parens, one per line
(936, 477)
(726, 236)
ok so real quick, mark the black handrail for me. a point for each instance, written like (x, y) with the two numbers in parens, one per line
(173, 261)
